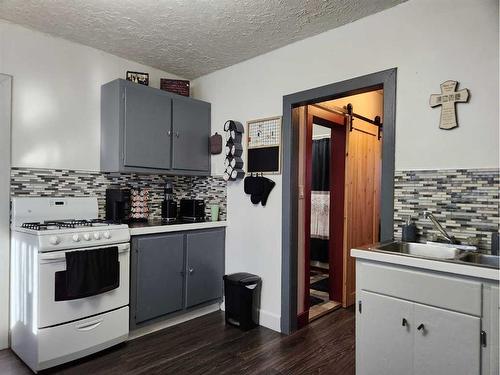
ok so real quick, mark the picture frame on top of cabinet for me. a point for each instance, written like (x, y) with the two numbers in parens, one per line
(138, 77)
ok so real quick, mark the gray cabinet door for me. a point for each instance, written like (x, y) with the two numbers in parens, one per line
(205, 266)
(384, 344)
(160, 275)
(148, 126)
(191, 131)
(448, 343)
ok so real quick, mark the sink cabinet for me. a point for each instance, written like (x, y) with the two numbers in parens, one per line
(148, 130)
(392, 343)
(413, 321)
(174, 272)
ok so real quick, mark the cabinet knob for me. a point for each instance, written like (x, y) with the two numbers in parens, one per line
(421, 327)
(177, 134)
(191, 270)
(169, 133)
(404, 323)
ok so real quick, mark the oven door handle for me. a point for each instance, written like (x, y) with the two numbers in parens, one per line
(61, 255)
(89, 325)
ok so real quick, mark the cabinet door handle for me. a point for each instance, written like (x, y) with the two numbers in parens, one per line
(421, 327)
(404, 323)
(177, 134)
(169, 133)
(191, 270)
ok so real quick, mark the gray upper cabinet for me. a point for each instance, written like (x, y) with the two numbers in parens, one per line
(190, 145)
(148, 128)
(144, 129)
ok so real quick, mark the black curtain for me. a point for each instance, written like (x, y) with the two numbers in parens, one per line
(320, 182)
(321, 164)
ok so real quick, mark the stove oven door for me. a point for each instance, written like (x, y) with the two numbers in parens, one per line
(52, 312)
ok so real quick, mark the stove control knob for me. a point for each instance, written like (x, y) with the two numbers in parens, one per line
(107, 235)
(76, 238)
(97, 235)
(86, 237)
(54, 240)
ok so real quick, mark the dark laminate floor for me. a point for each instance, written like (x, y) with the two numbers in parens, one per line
(206, 346)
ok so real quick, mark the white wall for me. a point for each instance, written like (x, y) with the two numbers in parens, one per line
(428, 41)
(56, 97)
(5, 108)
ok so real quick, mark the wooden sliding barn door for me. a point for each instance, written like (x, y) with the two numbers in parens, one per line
(362, 198)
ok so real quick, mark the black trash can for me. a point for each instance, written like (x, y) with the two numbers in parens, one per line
(241, 292)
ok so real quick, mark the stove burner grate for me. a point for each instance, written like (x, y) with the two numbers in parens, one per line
(58, 224)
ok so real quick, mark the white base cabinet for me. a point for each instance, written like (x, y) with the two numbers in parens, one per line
(411, 321)
(401, 337)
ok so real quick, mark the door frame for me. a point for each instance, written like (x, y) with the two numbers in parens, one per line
(385, 80)
(5, 156)
(337, 125)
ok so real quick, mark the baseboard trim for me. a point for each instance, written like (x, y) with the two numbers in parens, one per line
(270, 320)
(139, 332)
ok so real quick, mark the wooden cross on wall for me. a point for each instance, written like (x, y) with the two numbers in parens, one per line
(447, 100)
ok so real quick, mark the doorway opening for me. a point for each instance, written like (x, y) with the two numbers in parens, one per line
(339, 177)
(357, 202)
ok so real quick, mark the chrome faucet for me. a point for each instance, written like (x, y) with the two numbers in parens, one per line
(439, 227)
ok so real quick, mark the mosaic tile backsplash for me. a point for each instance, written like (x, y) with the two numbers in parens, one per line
(465, 202)
(64, 183)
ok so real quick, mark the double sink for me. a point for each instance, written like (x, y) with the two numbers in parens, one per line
(438, 252)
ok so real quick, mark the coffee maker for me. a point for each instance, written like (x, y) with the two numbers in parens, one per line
(169, 205)
(118, 205)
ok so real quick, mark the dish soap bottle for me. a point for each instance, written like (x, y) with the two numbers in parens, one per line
(409, 231)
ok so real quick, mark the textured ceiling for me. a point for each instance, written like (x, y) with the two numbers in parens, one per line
(189, 38)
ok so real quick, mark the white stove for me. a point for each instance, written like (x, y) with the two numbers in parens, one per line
(49, 328)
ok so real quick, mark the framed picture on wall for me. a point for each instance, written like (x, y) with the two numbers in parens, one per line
(264, 146)
(138, 77)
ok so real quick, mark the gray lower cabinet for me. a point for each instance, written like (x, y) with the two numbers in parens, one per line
(144, 129)
(160, 275)
(205, 266)
(173, 272)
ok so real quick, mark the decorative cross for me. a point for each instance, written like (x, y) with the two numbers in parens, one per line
(447, 100)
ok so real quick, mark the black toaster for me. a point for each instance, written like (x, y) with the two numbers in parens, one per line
(192, 210)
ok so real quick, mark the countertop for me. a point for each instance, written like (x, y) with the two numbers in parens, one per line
(429, 264)
(157, 226)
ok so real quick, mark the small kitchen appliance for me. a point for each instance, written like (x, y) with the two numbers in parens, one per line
(69, 280)
(169, 205)
(118, 205)
(192, 210)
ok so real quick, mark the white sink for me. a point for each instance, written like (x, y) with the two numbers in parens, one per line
(421, 250)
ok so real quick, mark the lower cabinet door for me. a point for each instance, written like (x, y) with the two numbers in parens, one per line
(160, 269)
(205, 266)
(384, 340)
(446, 343)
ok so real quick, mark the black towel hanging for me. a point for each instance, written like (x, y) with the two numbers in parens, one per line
(88, 273)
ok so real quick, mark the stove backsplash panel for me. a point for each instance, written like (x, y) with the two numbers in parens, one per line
(72, 183)
(465, 202)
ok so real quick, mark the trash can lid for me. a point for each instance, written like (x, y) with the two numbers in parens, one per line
(242, 278)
